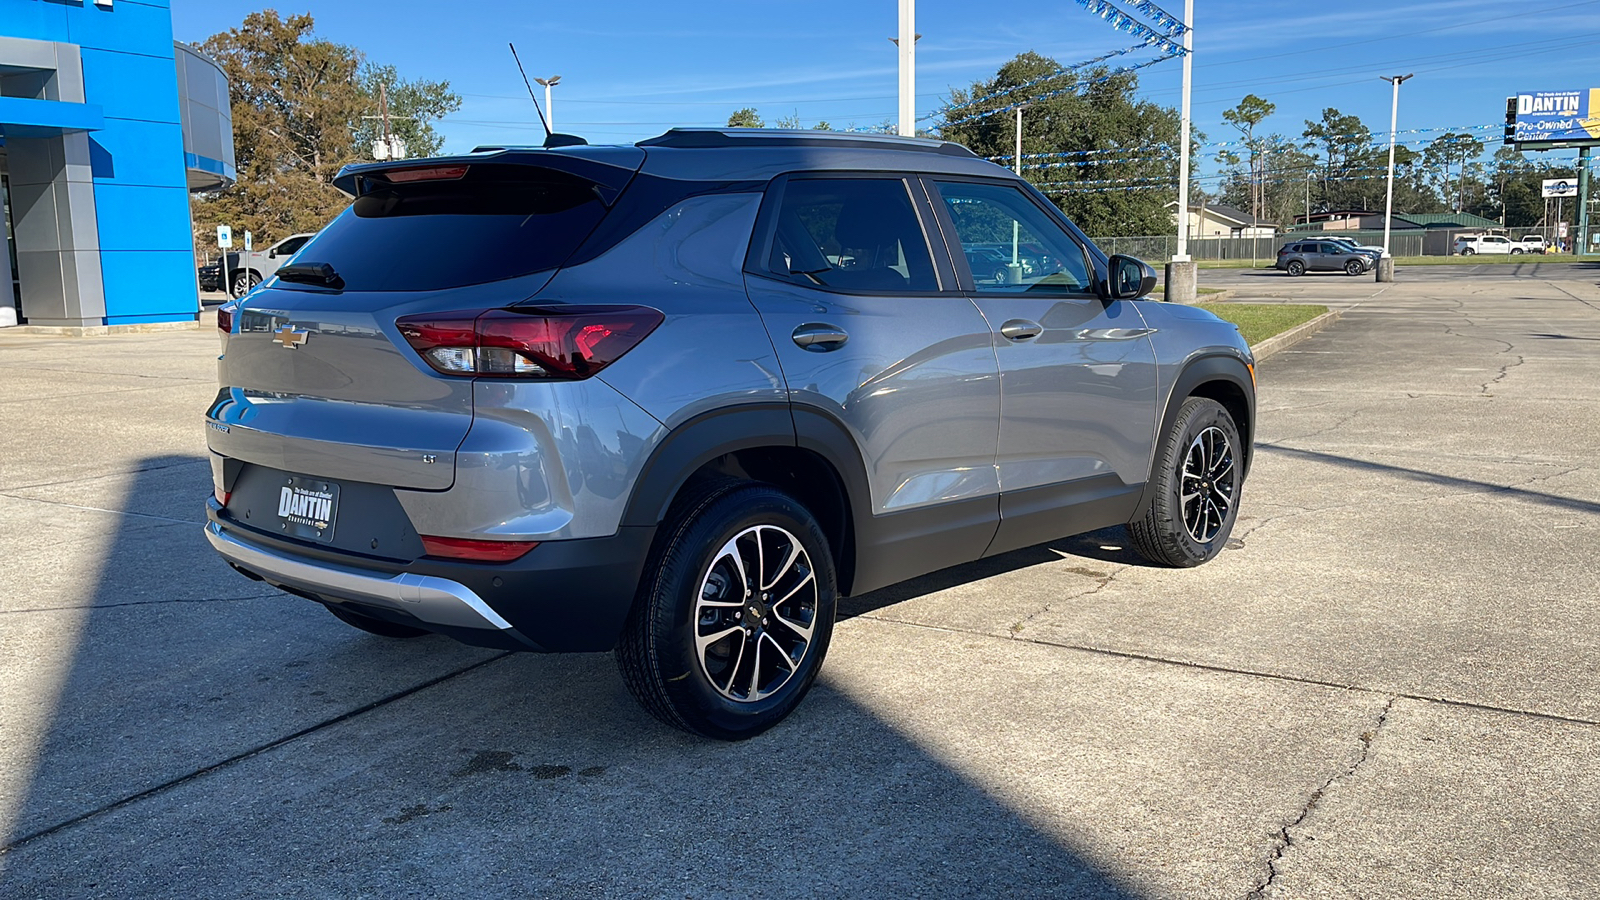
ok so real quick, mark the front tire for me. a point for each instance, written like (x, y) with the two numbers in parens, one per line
(244, 283)
(1354, 267)
(734, 615)
(1196, 484)
(1295, 268)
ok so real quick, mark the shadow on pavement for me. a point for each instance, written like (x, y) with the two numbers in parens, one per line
(213, 737)
(1556, 500)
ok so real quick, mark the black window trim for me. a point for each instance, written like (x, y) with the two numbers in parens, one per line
(762, 235)
(969, 285)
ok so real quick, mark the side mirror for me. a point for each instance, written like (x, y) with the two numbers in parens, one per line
(1129, 279)
(273, 253)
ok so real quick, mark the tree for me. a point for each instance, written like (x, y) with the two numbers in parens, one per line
(1456, 151)
(1245, 117)
(745, 118)
(298, 103)
(413, 108)
(1347, 162)
(1120, 148)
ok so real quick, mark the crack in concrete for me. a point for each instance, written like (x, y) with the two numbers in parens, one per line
(41, 609)
(1101, 580)
(1283, 842)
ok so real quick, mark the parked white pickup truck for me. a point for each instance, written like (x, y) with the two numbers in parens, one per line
(1530, 243)
(1469, 244)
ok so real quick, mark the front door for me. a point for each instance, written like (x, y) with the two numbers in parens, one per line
(1077, 373)
(877, 338)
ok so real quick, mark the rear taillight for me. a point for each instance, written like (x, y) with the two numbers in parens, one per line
(562, 342)
(225, 318)
(475, 550)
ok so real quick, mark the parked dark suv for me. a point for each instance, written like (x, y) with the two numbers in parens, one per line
(677, 398)
(1301, 257)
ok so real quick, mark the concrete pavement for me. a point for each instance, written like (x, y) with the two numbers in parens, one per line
(1388, 688)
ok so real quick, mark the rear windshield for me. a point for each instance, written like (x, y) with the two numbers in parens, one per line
(496, 222)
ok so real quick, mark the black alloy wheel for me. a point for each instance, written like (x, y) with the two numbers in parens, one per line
(1354, 267)
(734, 614)
(1196, 488)
(1295, 268)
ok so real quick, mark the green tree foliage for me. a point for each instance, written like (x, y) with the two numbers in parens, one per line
(413, 108)
(749, 118)
(1244, 118)
(298, 103)
(1456, 153)
(1348, 160)
(1088, 114)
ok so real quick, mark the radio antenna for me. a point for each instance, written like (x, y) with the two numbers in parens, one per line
(542, 120)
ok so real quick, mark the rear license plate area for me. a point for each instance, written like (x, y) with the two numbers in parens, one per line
(307, 508)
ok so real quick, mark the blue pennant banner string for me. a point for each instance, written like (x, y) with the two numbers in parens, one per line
(1125, 23)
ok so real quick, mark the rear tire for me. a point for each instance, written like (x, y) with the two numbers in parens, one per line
(1468, 251)
(1196, 484)
(734, 614)
(1295, 268)
(372, 624)
(1516, 251)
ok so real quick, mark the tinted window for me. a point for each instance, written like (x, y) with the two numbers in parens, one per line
(853, 234)
(1010, 244)
(287, 248)
(496, 222)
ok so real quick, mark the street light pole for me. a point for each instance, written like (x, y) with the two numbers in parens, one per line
(908, 67)
(1180, 284)
(1386, 263)
(549, 108)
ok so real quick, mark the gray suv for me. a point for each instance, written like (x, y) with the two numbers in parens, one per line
(1323, 256)
(676, 399)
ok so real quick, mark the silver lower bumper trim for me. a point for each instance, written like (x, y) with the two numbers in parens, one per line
(437, 601)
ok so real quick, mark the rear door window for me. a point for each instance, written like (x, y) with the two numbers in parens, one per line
(851, 234)
(488, 223)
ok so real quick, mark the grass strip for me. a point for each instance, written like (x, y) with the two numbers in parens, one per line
(1259, 321)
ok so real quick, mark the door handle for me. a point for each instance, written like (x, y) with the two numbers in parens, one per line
(819, 338)
(1021, 330)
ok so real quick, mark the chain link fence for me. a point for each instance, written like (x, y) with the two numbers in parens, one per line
(1264, 250)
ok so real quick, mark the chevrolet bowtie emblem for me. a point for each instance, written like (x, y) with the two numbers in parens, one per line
(289, 337)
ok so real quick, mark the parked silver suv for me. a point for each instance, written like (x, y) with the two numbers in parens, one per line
(677, 398)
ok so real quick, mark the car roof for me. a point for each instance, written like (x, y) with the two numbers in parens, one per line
(760, 153)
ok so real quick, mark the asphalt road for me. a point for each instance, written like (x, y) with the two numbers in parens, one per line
(1387, 689)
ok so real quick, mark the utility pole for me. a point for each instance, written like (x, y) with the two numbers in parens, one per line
(1585, 185)
(1180, 283)
(1386, 262)
(907, 42)
(549, 108)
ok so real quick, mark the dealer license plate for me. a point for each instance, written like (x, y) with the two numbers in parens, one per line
(307, 508)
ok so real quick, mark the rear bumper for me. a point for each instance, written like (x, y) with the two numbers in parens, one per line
(564, 596)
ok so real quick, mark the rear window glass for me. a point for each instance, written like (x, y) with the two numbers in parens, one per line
(496, 222)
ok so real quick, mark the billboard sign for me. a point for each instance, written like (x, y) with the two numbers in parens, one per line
(1559, 187)
(1571, 118)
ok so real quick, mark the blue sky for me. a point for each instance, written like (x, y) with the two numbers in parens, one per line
(631, 69)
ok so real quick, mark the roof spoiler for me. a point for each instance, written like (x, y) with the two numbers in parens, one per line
(610, 168)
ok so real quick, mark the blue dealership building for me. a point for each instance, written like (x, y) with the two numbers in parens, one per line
(106, 125)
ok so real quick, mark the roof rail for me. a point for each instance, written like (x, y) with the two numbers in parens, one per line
(706, 138)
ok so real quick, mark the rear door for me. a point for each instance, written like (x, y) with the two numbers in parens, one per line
(316, 380)
(1077, 373)
(876, 336)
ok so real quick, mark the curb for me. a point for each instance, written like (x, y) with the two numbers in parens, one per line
(1283, 341)
(77, 331)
